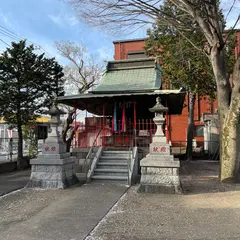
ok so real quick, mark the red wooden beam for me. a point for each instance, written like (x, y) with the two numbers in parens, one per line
(135, 116)
(75, 126)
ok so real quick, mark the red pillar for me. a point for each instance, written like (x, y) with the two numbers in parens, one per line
(166, 127)
(135, 124)
(135, 117)
(75, 124)
(169, 128)
(104, 127)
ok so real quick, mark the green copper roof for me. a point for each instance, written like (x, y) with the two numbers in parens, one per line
(134, 75)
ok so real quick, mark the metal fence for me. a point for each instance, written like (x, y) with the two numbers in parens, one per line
(205, 150)
(9, 148)
(5, 145)
(123, 136)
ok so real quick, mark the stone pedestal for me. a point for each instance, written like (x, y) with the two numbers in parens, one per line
(54, 168)
(159, 169)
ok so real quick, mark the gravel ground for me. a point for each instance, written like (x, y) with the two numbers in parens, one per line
(206, 210)
(154, 217)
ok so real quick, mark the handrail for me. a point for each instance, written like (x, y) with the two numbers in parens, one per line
(94, 163)
(130, 151)
(94, 142)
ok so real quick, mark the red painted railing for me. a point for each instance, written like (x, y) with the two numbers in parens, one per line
(139, 135)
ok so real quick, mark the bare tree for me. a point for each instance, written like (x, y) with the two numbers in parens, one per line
(200, 15)
(82, 74)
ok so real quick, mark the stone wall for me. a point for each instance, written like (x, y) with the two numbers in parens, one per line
(81, 165)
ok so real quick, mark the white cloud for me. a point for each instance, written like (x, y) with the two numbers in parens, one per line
(5, 19)
(72, 20)
(105, 53)
(63, 19)
(56, 19)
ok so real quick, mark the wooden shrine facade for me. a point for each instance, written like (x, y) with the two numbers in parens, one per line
(121, 104)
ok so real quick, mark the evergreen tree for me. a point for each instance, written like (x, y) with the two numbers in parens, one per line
(28, 84)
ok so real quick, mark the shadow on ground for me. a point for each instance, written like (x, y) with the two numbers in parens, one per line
(203, 177)
(13, 181)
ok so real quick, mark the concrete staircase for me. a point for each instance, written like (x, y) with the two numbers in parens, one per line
(112, 167)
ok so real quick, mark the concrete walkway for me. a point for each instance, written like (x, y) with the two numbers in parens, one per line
(56, 214)
(14, 180)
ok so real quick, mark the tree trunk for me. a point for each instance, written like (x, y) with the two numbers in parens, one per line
(66, 127)
(229, 149)
(68, 145)
(229, 113)
(20, 147)
(192, 99)
(230, 133)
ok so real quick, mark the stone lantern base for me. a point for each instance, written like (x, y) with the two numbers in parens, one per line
(52, 171)
(160, 171)
(159, 176)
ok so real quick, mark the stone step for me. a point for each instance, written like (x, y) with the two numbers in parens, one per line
(115, 152)
(115, 157)
(116, 165)
(120, 149)
(120, 156)
(110, 178)
(114, 161)
(111, 172)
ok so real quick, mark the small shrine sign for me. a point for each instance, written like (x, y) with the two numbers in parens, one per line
(159, 148)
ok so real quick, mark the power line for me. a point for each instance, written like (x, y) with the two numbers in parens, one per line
(15, 36)
(4, 42)
(9, 36)
(10, 31)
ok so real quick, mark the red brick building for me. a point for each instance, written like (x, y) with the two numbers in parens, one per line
(176, 124)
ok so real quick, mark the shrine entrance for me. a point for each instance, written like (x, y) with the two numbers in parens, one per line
(122, 125)
(121, 104)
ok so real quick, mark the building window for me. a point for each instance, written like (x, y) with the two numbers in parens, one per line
(199, 131)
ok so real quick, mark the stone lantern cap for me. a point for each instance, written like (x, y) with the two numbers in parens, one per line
(158, 107)
(55, 111)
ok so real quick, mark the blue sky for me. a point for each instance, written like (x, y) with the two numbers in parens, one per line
(46, 21)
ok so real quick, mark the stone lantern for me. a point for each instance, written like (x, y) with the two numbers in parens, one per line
(54, 168)
(159, 169)
(54, 135)
(159, 109)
